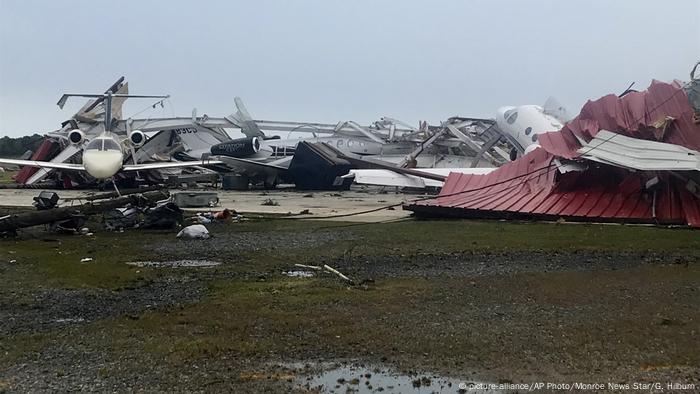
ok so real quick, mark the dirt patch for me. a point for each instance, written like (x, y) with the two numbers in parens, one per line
(486, 263)
(52, 308)
(231, 244)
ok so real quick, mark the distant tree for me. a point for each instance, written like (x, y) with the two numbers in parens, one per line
(15, 147)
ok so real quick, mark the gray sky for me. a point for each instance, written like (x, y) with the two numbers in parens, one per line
(336, 60)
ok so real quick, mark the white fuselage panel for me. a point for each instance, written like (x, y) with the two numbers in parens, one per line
(102, 164)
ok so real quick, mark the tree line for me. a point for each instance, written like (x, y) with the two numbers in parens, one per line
(15, 147)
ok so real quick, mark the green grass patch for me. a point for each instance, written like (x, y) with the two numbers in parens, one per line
(6, 176)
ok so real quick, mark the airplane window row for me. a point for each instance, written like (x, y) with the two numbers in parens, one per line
(510, 116)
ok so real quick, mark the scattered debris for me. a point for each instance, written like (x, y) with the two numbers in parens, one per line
(175, 264)
(46, 200)
(209, 217)
(270, 202)
(86, 259)
(121, 218)
(70, 320)
(298, 274)
(195, 231)
(334, 271)
(12, 223)
(196, 199)
(68, 226)
(313, 267)
(326, 268)
(164, 215)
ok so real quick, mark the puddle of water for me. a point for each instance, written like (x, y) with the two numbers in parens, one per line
(175, 263)
(70, 320)
(364, 379)
(298, 274)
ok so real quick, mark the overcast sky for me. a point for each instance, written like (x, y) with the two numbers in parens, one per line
(328, 61)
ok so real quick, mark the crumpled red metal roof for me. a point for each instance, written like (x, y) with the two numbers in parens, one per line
(532, 188)
(661, 113)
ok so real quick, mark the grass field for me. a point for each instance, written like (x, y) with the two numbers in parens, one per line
(6, 176)
(488, 300)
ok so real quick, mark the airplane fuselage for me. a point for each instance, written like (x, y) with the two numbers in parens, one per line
(358, 146)
(525, 123)
(103, 157)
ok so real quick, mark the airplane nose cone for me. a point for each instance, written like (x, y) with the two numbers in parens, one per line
(102, 164)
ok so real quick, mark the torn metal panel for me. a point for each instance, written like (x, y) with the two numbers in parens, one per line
(617, 149)
(394, 179)
(637, 115)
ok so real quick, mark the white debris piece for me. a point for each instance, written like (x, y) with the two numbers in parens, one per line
(86, 259)
(195, 231)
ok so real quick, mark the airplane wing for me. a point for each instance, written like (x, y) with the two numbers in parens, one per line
(256, 169)
(44, 164)
(65, 155)
(169, 164)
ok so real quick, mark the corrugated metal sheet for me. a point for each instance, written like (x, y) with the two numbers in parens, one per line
(532, 187)
(661, 113)
(617, 149)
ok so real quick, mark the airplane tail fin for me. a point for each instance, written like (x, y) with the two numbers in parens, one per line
(242, 119)
(552, 107)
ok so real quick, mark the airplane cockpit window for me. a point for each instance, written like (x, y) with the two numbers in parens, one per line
(534, 138)
(94, 145)
(510, 116)
(111, 145)
(528, 131)
(102, 144)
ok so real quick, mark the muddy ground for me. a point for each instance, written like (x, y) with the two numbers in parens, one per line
(469, 300)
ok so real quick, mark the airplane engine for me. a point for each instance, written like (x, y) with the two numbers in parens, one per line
(240, 148)
(137, 138)
(76, 137)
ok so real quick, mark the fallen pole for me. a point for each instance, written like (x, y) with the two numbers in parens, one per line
(313, 267)
(125, 192)
(35, 218)
(334, 271)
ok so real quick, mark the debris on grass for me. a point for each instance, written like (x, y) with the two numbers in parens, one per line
(270, 202)
(195, 231)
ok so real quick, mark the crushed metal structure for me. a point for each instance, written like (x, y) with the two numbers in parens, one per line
(632, 159)
(458, 142)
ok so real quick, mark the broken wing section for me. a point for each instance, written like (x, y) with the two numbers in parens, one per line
(43, 164)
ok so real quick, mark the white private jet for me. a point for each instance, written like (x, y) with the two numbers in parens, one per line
(103, 156)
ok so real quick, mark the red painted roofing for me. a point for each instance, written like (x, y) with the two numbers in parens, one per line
(46, 150)
(531, 187)
(637, 114)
